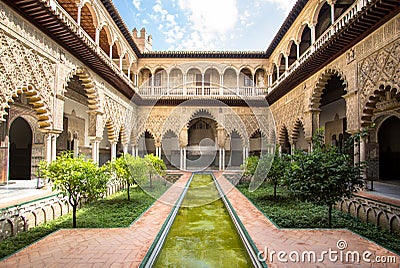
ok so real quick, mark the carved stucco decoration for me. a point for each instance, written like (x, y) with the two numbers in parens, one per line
(299, 123)
(23, 70)
(378, 73)
(234, 124)
(89, 86)
(114, 114)
(286, 115)
(322, 82)
(158, 123)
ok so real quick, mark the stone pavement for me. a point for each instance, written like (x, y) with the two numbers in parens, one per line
(267, 236)
(387, 192)
(20, 191)
(126, 247)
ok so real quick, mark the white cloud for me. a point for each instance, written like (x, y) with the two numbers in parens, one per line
(144, 21)
(209, 25)
(137, 3)
(246, 19)
(157, 8)
(285, 5)
(167, 23)
(220, 18)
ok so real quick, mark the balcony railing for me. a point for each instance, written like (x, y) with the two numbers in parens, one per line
(337, 26)
(160, 91)
(77, 29)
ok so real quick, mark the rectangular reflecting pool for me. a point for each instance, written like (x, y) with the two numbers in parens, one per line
(203, 234)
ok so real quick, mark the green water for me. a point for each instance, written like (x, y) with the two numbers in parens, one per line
(203, 234)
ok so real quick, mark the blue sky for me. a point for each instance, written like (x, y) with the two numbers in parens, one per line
(206, 24)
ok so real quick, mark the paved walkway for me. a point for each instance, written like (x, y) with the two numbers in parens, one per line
(267, 236)
(20, 191)
(126, 247)
(116, 247)
(388, 192)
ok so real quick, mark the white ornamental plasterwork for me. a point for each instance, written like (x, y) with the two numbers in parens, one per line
(233, 123)
(182, 115)
(130, 121)
(114, 113)
(142, 115)
(287, 114)
(380, 68)
(154, 125)
(24, 70)
(252, 124)
(17, 26)
(266, 122)
(174, 123)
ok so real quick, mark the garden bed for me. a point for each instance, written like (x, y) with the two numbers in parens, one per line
(287, 212)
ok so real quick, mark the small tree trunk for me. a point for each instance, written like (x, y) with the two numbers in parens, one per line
(330, 215)
(151, 182)
(74, 215)
(129, 196)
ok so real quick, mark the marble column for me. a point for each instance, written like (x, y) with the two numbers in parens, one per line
(47, 141)
(363, 156)
(113, 150)
(95, 150)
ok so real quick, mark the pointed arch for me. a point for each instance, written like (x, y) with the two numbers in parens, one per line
(240, 134)
(123, 133)
(90, 89)
(296, 129)
(370, 104)
(111, 133)
(41, 108)
(199, 111)
(283, 134)
(315, 100)
(169, 130)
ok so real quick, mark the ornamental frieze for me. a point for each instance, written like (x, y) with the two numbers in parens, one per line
(381, 67)
(24, 69)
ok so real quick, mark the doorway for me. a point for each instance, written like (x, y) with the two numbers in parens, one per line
(20, 150)
(389, 149)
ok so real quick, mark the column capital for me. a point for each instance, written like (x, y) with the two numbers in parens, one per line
(95, 139)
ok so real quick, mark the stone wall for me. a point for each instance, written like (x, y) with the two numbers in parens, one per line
(386, 216)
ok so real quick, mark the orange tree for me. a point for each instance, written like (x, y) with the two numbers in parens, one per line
(155, 166)
(323, 176)
(76, 178)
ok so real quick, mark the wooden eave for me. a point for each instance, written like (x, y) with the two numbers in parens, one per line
(41, 15)
(371, 18)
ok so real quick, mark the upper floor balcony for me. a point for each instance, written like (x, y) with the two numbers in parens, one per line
(193, 80)
(337, 26)
(92, 32)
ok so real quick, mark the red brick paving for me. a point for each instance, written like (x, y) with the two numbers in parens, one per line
(110, 247)
(126, 247)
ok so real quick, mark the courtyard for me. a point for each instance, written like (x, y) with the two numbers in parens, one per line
(209, 137)
(128, 247)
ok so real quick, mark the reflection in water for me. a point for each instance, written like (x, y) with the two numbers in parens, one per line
(203, 234)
